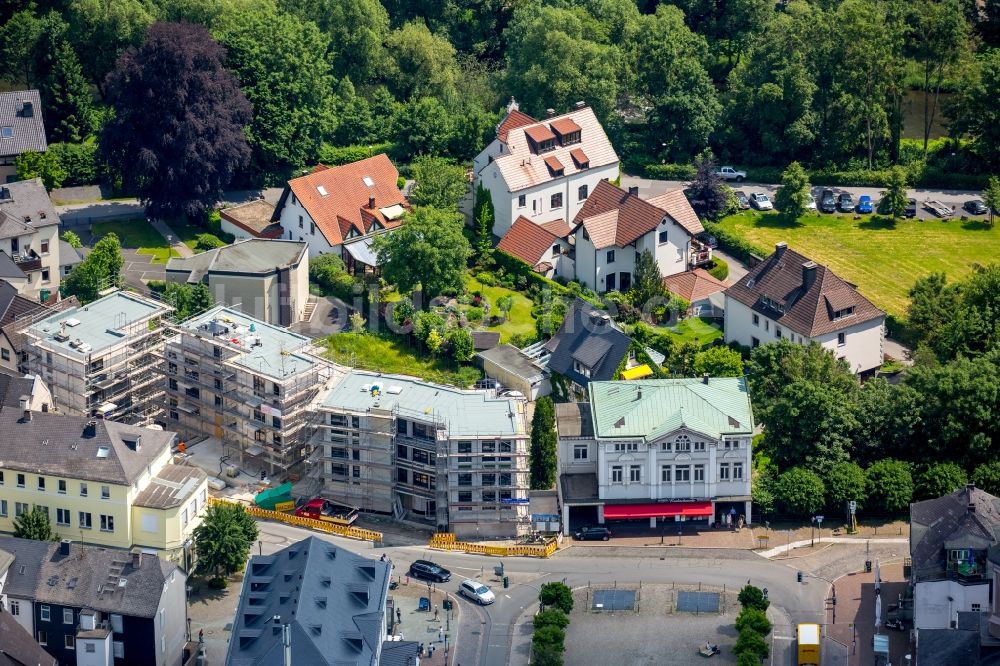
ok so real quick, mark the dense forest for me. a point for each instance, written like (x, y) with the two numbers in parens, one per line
(824, 82)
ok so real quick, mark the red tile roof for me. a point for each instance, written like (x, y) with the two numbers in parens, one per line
(513, 120)
(345, 205)
(612, 216)
(564, 126)
(580, 158)
(679, 209)
(693, 286)
(527, 241)
(554, 165)
(539, 133)
(558, 227)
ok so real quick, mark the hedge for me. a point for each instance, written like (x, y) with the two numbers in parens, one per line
(671, 171)
(337, 155)
(734, 244)
(516, 267)
(720, 269)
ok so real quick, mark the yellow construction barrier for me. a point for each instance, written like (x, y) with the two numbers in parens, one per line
(299, 521)
(447, 541)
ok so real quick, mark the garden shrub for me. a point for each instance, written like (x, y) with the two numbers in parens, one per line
(719, 269)
(205, 242)
(486, 279)
(474, 314)
(337, 155)
(734, 244)
(671, 171)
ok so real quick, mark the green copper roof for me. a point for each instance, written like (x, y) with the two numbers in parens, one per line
(651, 408)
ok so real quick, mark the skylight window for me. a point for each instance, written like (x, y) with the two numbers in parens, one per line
(7, 132)
(103, 451)
(321, 190)
(368, 181)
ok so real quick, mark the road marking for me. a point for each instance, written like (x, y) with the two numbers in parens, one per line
(507, 595)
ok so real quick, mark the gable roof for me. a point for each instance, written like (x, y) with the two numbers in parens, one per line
(651, 408)
(344, 206)
(966, 518)
(21, 111)
(57, 445)
(521, 168)
(693, 286)
(778, 289)
(254, 217)
(613, 217)
(949, 646)
(18, 648)
(12, 388)
(333, 599)
(27, 206)
(587, 335)
(527, 241)
(679, 209)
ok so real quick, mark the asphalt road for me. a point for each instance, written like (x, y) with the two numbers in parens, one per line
(485, 632)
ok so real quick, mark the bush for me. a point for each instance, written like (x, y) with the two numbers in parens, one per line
(159, 286)
(799, 492)
(549, 636)
(213, 222)
(941, 479)
(671, 171)
(475, 314)
(558, 595)
(752, 597)
(217, 583)
(337, 155)
(78, 160)
(753, 619)
(719, 269)
(551, 617)
(206, 242)
(890, 485)
(845, 481)
(71, 239)
(752, 643)
(734, 244)
(486, 279)
(40, 165)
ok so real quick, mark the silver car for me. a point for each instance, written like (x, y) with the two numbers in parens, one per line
(478, 592)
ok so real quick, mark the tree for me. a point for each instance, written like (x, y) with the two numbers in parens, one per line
(101, 30)
(357, 322)
(647, 280)
(187, 299)
(461, 344)
(19, 38)
(484, 217)
(425, 322)
(752, 597)
(423, 64)
(793, 196)
(940, 479)
(933, 304)
(71, 239)
(434, 341)
(505, 303)
(753, 619)
(549, 636)
(844, 482)
(752, 643)
(107, 255)
(558, 595)
(66, 98)
(975, 112)
(100, 270)
(747, 659)
(894, 202)
(774, 366)
(283, 70)
(45, 165)
(719, 361)
(180, 158)
(991, 196)
(440, 182)
(429, 249)
(810, 424)
(554, 617)
(799, 492)
(422, 126)
(889, 485)
(708, 188)
(34, 524)
(547, 655)
(222, 542)
(542, 458)
(987, 477)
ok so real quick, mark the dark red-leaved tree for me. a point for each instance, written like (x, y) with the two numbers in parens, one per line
(177, 133)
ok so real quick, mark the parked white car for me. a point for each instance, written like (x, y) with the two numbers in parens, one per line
(760, 201)
(729, 173)
(478, 592)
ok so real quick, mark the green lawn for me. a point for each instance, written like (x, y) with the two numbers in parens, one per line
(139, 235)
(392, 355)
(883, 258)
(695, 329)
(519, 319)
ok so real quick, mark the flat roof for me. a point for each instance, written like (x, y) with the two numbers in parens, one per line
(267, 349)
(511, 358)
(100, 324)
(466, 413)
(171, 487)
(253, 255)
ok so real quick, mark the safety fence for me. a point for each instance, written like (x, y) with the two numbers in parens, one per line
(448, 541)
(299, 521)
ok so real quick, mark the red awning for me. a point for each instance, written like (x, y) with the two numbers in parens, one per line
(622, 511)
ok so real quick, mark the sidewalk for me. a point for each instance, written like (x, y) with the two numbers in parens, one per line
(855, 625)
(426, 627)
(171, 237)
(774, 552)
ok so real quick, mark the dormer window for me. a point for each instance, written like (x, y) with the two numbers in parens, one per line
(845, 312)
(555, 166)
(567, 130)
(541, 138)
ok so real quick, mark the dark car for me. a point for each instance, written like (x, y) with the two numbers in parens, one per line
(708, 239)
(976, 207)
(742, 200)
(845, 202)
(425, 570)
(827, 202)
(911, 208)
(593, 534)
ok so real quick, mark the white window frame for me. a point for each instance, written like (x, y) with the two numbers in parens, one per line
(581, 452)
(45, 613)
(682, 471)
(617, 474)
(635, 473)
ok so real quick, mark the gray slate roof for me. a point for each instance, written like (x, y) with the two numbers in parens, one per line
(399, 653)
(28, 130)
(948, 646)
(89, 577)
(58, 445)
(68, 255)
(8, 269)
(12, 388)
(948, 522)
(513, 360)
(27, 199)
(18, 648)
(24, 572)
(333, 599)
(573, 419)
(254, 255)
(587, 336)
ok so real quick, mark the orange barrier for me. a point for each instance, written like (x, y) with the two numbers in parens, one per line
(299, 521)
(447, 541)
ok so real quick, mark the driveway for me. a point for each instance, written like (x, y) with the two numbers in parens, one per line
(139, 269)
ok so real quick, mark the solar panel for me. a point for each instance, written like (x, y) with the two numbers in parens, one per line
(698, 602)
(614, 600)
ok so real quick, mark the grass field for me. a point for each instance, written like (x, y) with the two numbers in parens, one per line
(519, 318)
(883, 258)
(386, 353)
(695, 329)
(140, 236)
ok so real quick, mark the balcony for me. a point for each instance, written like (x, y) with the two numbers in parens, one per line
(28, 261)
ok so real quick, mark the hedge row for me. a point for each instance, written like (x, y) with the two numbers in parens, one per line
(516, 267)
(337, 155)
(733, 244)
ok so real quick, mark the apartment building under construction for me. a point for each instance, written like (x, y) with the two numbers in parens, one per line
(453, 459)
(246, 382)
(101, 359)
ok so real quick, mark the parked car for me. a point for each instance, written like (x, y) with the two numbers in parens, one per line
(592, 534)
(708, 239)
(741, 199)
(845, 202)
(760, 201)
(478, 592)
(827, 202)
(425, 570)
(939, 208)
(811, 204)
(729, 173)
(911, 208)
(864, 204)
(976, 207)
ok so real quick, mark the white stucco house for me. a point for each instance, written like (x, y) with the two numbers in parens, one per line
(544, 170)
(339, 209)
(672, 450)
(953, 550)
(29, 237)
(788, 296)
(614, 227)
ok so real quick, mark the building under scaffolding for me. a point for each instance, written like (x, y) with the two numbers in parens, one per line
(246, 382)
(453, 459)
(101, 359)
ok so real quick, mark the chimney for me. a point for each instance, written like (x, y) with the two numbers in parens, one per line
(23, 401)
(779, 248)
(580, 105)
(633, 191)
(28, 111)
(136, 559)
(64, 547)
(90, 430)
(638, 394)
(88, 620)
(808, 275)
(371, 202)
(704, 378)
(549, 113)
(970, 486)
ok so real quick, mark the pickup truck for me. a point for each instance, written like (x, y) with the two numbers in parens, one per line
(729, 173)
